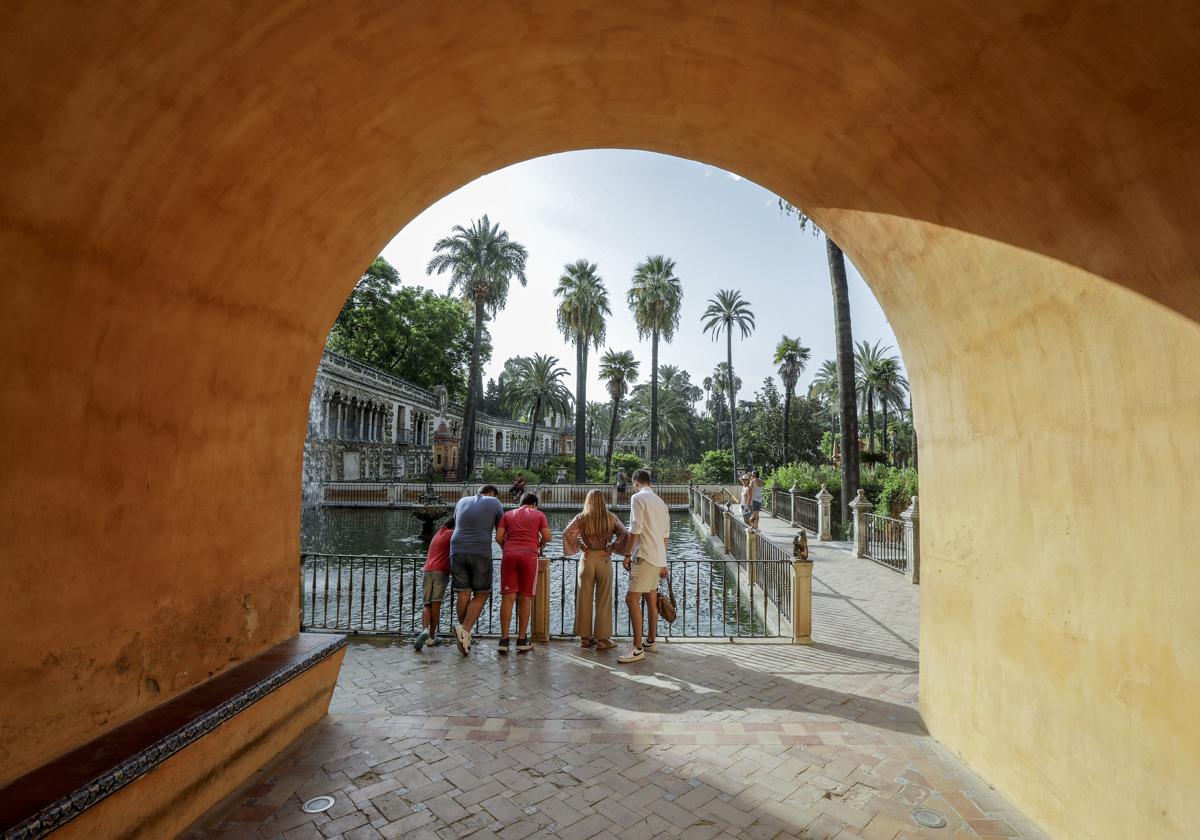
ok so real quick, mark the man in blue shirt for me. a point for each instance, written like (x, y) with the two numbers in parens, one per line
(475, 521)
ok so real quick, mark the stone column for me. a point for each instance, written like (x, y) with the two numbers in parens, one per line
(792, 494)
(541, 602)
(802, 602)
(825, 515)
(727, 528)
(912, 541)
(859, 508)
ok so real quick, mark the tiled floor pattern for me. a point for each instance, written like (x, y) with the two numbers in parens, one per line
(698, 741)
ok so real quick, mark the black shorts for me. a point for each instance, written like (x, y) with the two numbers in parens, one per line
(756, 506)
(471, 572)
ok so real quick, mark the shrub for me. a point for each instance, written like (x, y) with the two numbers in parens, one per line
(625, 461)
(896, 491)
(715, 467)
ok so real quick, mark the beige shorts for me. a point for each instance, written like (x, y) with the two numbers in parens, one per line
(643, 576)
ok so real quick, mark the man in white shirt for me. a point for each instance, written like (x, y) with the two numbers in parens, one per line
(646, 562)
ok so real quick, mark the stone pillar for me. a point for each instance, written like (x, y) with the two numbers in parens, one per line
(541, 602)
(802, 602)
(912, 541)
(727, 528)
(859, 509)
(792, 494)
(825, 515)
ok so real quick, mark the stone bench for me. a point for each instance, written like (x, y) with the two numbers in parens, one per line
(153, 775)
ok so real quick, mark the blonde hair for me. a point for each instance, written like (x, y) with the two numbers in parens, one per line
(595, 521)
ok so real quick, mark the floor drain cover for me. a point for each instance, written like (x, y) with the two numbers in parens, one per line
(928, 818)
(318, 804)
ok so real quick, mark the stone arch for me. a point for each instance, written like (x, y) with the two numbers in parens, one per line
(1018, 185)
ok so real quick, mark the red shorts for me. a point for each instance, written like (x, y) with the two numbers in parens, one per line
(518, 573)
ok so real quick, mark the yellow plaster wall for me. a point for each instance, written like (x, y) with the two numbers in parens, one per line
(187, 200)
(1060, 597)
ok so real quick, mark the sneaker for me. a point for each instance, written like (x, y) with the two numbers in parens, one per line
(524, 645)
(462, 638)
(421, 639)
(504, 647)
(648, 644)
(634, 655)
(436, 641)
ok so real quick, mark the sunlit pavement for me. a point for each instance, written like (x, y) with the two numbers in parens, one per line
(700, 740)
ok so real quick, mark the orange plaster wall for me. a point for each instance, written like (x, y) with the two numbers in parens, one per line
(187, 199)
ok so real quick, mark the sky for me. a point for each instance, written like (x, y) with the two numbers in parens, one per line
(615, 208)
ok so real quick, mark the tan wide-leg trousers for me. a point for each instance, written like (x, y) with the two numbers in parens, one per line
(595, 596)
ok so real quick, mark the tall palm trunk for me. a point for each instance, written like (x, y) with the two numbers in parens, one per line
(884, 433)
(787, 422)
(732, 397)
(845, 366)
(468, 431)
(612, 438)
(537, 410)
(581, 354)
(654, 403)
(871, 418)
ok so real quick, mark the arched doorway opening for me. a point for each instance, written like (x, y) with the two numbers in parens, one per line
(1018, 185)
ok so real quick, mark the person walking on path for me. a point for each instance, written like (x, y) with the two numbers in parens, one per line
(437, 571)
(645, 560)
(475, 519)
(522, 533)
(598, 533)
(756, 497)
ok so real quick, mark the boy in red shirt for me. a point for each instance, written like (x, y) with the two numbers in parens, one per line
(437, 572)
(522, 533)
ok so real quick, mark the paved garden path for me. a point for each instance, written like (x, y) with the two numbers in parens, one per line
(701, 740)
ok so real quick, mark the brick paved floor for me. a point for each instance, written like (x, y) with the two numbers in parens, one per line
(697, 741)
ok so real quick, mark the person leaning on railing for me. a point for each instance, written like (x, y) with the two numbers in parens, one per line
(598, 533)
(645, 561)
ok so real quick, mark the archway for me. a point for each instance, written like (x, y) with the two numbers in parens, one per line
(1018, 183)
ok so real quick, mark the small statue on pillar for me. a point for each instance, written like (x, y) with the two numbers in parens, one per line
(800, 546)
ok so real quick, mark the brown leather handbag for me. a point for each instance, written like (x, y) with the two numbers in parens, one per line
(666, 603)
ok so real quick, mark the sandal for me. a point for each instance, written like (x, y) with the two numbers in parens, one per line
(605, 644)
(586, 643)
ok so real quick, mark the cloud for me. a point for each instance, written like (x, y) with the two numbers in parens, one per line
(734, 176)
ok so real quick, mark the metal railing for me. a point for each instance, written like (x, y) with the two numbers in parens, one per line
(885, 541)
(550, 496)
(804, 513)
(773, 573)
(799, 510)
(737, 536)
(383, 595)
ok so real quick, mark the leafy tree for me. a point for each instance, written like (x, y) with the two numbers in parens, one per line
(482, 261)
(720, 380)
(618, 372)
(655, 299)
(824, 389)
(410, 332)
(598, 419)
(879, 381)
(627, 461)
(536, 388)
(845, 353)
(792, 358)
(581, 314)
(726, 310)
(714, 467)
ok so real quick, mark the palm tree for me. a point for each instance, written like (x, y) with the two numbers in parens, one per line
(618, 372)
(597, 418)
(708, 384)
(824, 387)
(866, 360)
(674, 417)
(720, 380)
(482, 261)
(890, 386)
(655, 298)
(537, 388)
(792, 358)
(845, 356)
(726, 310)
(581, 315)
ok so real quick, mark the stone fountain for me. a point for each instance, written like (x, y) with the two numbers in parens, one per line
(430, 507)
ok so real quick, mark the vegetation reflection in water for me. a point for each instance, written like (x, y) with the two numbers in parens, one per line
(709, 604)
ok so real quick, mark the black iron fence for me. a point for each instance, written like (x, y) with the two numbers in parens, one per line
(798, 510)
(885, 541)
(383, 594)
